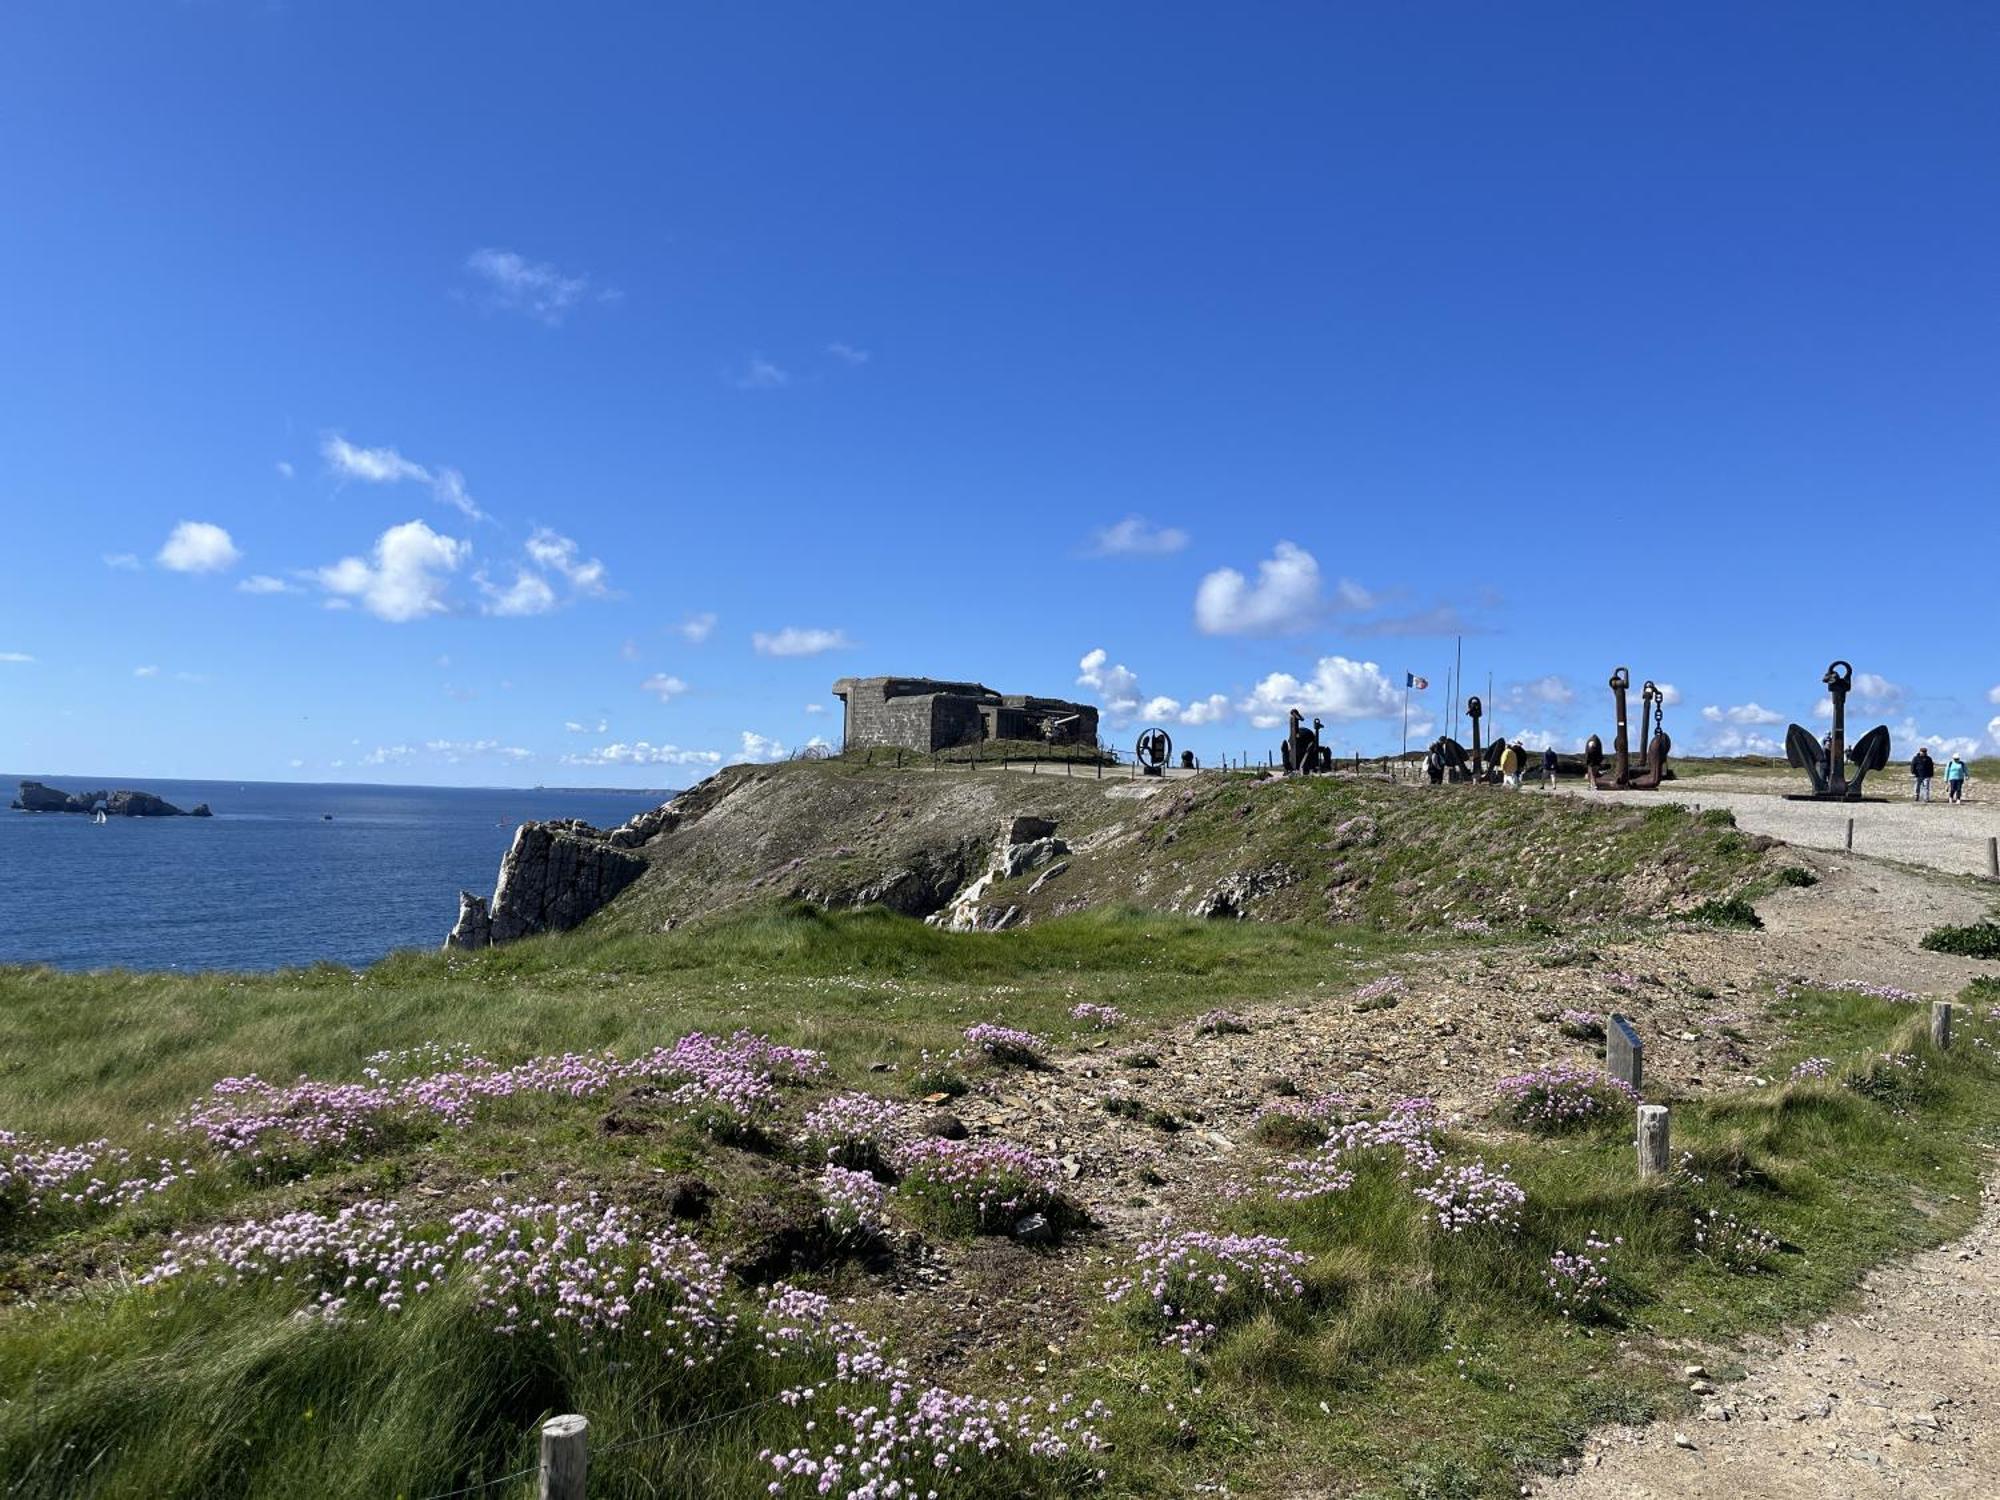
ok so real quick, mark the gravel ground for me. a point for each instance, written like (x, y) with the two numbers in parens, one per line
(1897, 1397)
(1937, 834)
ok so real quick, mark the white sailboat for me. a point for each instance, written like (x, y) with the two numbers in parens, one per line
(99, 817)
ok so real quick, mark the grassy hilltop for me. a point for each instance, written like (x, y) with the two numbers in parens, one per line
(564, 1206)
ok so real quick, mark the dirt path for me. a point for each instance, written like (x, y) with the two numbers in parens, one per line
(1900, 1397)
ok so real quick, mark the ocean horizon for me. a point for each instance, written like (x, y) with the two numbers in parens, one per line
(283, 874)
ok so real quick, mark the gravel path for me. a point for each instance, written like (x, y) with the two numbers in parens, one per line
(1900, 1397)
(1937, 834)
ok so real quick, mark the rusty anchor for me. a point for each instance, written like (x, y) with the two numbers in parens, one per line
(1823, 760)
(1622, 776)
(1302, 751)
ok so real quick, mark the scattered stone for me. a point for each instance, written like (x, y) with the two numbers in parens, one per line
(948, 1127)
(1035, 1229)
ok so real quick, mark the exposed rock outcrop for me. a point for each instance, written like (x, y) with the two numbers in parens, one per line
(37, 796)
(1026, 843)
(555, 876)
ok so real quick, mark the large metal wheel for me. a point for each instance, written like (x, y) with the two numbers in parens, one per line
(1154, 749)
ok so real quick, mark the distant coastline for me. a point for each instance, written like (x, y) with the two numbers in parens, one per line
(95, 778)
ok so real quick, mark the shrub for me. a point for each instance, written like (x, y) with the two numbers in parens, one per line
(1562, 1097)
(1580, 1026)
(1794, 875)
(856, 1131)
(1732, 911)
(1980, 940)
(1097, 1017)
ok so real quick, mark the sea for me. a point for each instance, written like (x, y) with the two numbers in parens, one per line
(284, 873)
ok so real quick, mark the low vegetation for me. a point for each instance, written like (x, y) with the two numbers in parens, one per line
(1977, 940)
(383, 1222)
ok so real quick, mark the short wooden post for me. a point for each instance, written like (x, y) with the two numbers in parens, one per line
(1653, 1140)
(1850, 835)
(1941, 1024)
(1624, 1052)
(1993, 859)
(565, 1457)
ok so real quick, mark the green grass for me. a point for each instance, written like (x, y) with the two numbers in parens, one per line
(1417, 1364)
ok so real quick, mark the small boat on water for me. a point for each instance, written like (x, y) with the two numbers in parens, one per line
(99, 817)
(326, 817)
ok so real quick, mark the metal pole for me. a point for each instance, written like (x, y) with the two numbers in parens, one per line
(1850, 835)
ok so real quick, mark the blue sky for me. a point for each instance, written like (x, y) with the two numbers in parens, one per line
(501, 394)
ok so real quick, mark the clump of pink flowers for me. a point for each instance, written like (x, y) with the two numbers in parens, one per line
(1220, 1023)
(1731, 1243)
(1387, 987)
(1580, 1025)
(1472, 927)
(856, 1131)
(1812, 1067)
(39, 1176)
(983, 1186)
(1474, 1196)
(1403, 1141)
(1579, 1280)
(853, 1205)
(1097, 1017)
(1187, 1286)
(1563, 1096)
(1009, 1046)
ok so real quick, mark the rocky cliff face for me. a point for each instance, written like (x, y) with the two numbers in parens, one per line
(554, 877)
(36, 796)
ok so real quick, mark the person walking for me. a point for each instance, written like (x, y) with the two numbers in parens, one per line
(1954, 779)
(1922, 768)
(1434, 765)
(1510, 766)
(1549, 769)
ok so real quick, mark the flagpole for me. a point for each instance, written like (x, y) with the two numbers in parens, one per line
(1406, 714)
(1459, 691)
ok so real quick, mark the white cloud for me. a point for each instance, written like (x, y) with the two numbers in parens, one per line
(285, 470)
(264, 583)
(629, 650)
(124, 562)
(1876, 692)
(1352, 595)
(528, 594)
(370, 465)
(456, 751)
(1669, 694)
(759, 749)
(815, 708)
(1209, 710)
(1339, 689)
(383, 755)
(1117, 687)
(1285, 596)
(847, 353)
(406, 578)
(198, 547)
(1735, 740)
(15, 656)
(1993, 731)
(1135, 536)
(663, 687)
(560, 555)
(640, 753)
(1993, 694)
(1549, 689)
(387, 466)
(760, 374)
(698, 627)
(575, 728)
(535, 288)
(145, 671)
(795, 640)
(1742, 713)
(1908, 738)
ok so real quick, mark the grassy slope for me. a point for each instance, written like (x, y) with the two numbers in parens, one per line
(1349, 848)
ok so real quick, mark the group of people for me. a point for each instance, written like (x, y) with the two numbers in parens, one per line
(1512, 763)
(1923, 769)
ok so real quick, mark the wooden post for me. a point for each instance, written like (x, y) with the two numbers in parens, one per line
(1941, 1025)
(1993, 859)
(1653, 1140)
(565, 1457)
(1624, 1052)
(1850, 835)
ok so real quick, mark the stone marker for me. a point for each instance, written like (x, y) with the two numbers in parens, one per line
(1624, 1053)
(1653, 1140)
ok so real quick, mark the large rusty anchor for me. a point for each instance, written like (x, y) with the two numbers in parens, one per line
(1623, 778)
(1824, 762)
